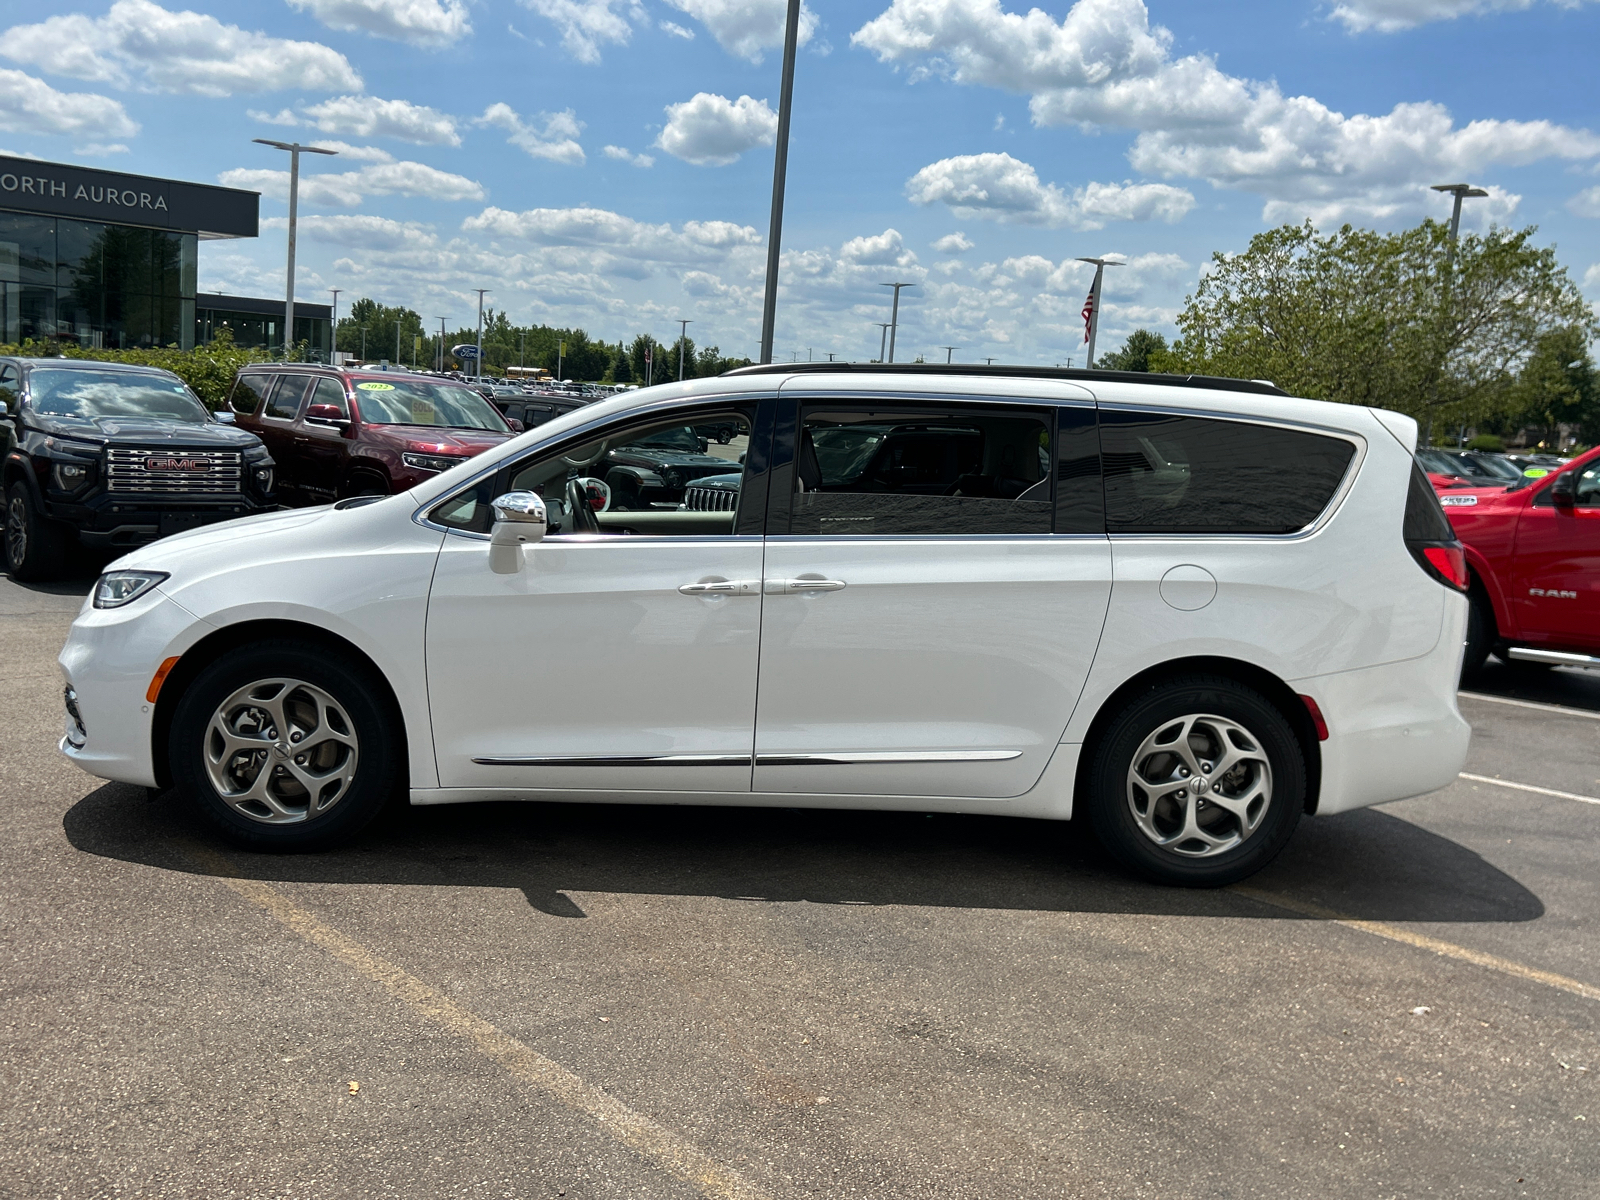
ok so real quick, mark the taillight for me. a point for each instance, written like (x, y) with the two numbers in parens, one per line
(1449, 562)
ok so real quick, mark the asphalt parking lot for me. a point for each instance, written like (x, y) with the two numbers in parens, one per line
(561, 1001)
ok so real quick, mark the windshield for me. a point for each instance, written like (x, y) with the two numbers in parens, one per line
(414, 402)
(1501, 467)
(91, 394)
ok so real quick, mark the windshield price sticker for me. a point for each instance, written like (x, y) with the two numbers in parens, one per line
(422, 411)
(375, 387)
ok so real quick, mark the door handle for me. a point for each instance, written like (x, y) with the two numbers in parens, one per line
(795, 587)
(723, 587)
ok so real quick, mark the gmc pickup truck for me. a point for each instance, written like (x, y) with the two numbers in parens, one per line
(1533, 554)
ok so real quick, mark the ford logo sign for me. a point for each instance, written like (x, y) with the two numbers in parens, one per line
(176, 464)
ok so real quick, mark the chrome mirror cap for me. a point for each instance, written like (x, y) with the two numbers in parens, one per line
(519, 508)
(519, 520)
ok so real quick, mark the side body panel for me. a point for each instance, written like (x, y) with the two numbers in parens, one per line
(1555, 578)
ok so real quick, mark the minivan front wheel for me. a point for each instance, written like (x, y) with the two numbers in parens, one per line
(1199, 782)
(285, 747)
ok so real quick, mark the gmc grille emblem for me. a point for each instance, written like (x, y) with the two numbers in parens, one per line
(176, 464)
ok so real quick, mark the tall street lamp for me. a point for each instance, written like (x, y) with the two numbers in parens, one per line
(1091, 306)
(442, 320)
(894, 315)
(883, 337)
(780, 167)
(333, 353)
(948, 352)
(294, 149)
(479, 363)
(1461, 191)
(683, 341)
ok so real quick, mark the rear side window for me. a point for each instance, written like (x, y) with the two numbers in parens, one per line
(248, 391)
(1425, 519)
(284, 403)
(1200, 475)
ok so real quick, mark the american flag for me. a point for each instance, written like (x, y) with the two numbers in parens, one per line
(1088, 315)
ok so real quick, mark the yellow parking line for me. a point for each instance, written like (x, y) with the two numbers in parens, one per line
(1528, 787)
(1422, 942)
(1552, 708)
(666, 1148)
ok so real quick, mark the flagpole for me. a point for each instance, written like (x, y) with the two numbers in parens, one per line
(1091, 308)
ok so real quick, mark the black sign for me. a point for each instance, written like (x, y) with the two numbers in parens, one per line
(117, 199)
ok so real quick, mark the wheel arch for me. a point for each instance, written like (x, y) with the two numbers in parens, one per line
(1481, 573)
(1282, 696)
(231, 637)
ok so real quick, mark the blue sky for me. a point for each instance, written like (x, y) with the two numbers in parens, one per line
(607, 163)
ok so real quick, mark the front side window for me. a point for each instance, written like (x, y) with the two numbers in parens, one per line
(98, 393)
(1199, 475)
(942, 470)
(330, 392)
(1588, 486)
(402, 401)
(661, 479)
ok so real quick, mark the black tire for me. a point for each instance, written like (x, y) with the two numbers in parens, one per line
(365, 777)
(1221, 708)
(36, 549)
(1480, 635)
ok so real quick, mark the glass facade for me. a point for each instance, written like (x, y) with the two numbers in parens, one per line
(98, 285)
(264, 331)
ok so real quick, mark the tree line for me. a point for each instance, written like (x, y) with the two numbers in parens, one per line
(372, 331)
(1490, 333)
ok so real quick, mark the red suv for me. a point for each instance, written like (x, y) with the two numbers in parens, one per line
(1533, 553)
(336, 433)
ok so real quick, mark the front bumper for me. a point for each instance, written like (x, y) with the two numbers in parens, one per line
(108, 662)
(123, 522)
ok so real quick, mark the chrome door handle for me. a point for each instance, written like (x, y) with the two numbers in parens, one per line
(794, 587)
(723, 587)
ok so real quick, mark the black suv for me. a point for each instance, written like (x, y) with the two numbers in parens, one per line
(653, 471)
(114, 456)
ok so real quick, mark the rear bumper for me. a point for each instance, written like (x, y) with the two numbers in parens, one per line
(1393, 731)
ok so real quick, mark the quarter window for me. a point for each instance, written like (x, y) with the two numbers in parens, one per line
(1176, 474)
(247, 393)
(952, 470)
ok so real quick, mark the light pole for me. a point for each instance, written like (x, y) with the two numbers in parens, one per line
(442, 320)
(683, 341)
(948, 351)
(883, 337)
(294, 149)
(780, 167)
(894, 315)
(479, 364)
(1091, 306)
(333, 354)
(1461, 191)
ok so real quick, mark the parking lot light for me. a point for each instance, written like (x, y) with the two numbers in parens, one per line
(294, 149)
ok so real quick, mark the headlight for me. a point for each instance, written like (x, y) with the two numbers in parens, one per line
(70, 476)
(116, 588)
(431, 462)
(672, 478)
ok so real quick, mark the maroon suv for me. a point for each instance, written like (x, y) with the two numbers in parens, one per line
(335, 433)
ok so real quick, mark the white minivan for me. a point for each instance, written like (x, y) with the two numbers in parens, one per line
(1190, 609)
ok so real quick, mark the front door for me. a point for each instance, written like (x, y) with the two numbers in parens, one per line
(321, 450)
(276, 427)
(926, 631)
(622, 656)
(1556, 580)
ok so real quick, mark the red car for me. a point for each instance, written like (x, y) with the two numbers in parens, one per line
(1533, 554)
(335, 433)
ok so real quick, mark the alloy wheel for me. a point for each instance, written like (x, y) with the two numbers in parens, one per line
(1199, 785)
(16, 531)
(281, 751)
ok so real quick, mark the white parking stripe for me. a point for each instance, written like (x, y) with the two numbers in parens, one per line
(1528, 787)
(1554, 708)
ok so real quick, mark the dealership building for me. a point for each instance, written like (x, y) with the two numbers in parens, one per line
(106, 259)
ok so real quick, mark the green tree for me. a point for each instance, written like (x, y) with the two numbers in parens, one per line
(1558, 385)
(378, 327)
(208, 369)
(1136, 352)
(1383, 319)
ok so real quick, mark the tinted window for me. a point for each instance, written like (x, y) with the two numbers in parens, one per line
(247, 393)
(950, 470)
(284, 402)
(1080, 498)
(1171, 474)
(330, 391)
(8, 386)
(1425, 519)
(1588, 486)
(94, 394)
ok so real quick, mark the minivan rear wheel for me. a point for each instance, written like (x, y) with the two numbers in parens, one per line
(1198, 782)
(286, 747)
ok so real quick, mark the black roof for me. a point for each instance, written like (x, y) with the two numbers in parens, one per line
(1260, 387)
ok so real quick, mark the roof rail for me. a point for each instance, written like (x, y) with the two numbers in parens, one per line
(1260, 387)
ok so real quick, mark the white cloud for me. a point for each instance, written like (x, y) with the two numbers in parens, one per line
(368, 116)
(953, 243)
(284, 116)
(1105, 66)
(29, 105)
(586, 25)
(886, 249)
(1001, 188)
(747, 27)
(360, 153)
(100, 149)
(139, 43)
(1591, 277)
(598, 240)
(713, 131)
(1586, 203)
(349, 188)
(420, 22)
(677, 31)
(1389, 16)
(551, 136)
(359, 231)
(623, 154)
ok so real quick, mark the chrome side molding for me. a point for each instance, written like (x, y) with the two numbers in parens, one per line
(617, 760)
(1558, 657)
(885, 756)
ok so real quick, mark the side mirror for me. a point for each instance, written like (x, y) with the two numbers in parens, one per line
(519, 520)
(224, 416)
(1564, 491)
(705, 444)
(516, 425)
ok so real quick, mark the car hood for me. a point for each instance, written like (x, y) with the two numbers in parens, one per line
(146, 431)
(438, 441)
(160, 555)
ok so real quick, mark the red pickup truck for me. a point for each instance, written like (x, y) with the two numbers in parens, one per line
(1533, 551)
